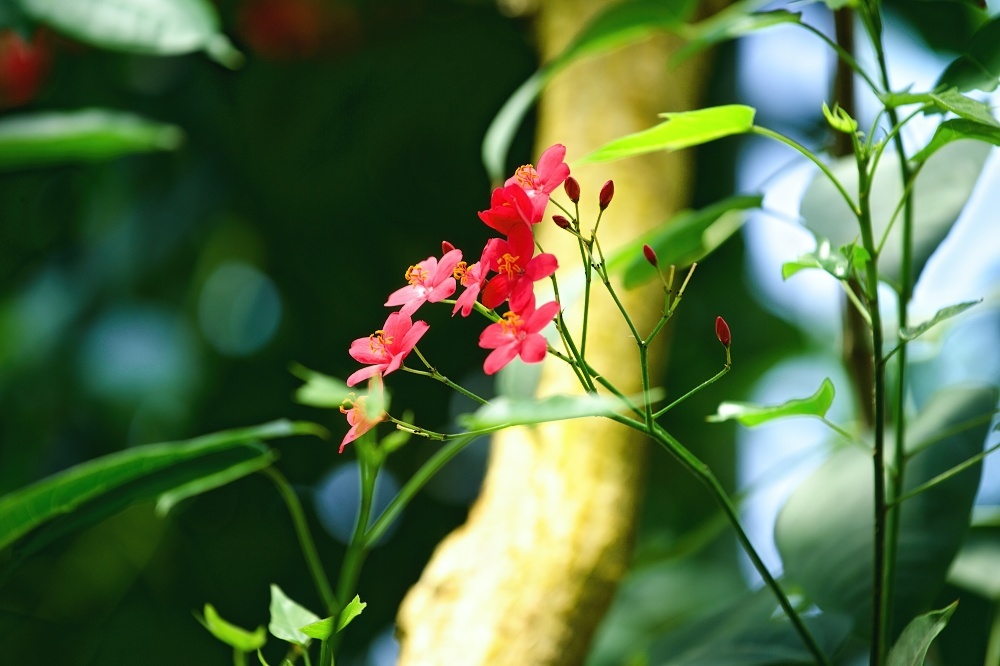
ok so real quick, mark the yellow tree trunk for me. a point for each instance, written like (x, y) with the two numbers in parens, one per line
(528, 577)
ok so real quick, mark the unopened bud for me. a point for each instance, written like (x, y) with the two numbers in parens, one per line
(446, 247)
(572, 189)
(607, 193)
(722, 332)
(650, 255)
(560, 221)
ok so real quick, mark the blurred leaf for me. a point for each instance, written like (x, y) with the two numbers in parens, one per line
(910, 332)
(747, 633)
(979, 67)
(320, 390)
(824, 534)
(172, 498)
(323, 629)
(956, 130)
(911, 648)
(94, 489)
(504, 412)
(154, 27)
(287, 617)
(734, 21)
(681, 130)
(623, 23)
(687, 237)
(751, 415)
(977, 566)
(230, 634)
(54, 137)
(948, 100)
(940, 193)
(838, 264)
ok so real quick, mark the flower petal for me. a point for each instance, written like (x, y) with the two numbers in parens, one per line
(533, 348)
(365, 373)
(500, 357)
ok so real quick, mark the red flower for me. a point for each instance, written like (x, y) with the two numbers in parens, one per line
(518, 334)
(385, 349)
(358, 417)
(516, 269)
(722, 332)
(23, 67)
(538, 183)
(510, 206)
(474, 277)
(430, 280)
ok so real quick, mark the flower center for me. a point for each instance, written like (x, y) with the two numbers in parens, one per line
(527, 177)
(511, 323)
(417, 275)
(507, 264)
(378, 341)
(353, 404)
(461, 272)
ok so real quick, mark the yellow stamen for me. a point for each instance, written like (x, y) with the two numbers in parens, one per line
(378, 341)
(417, 275)
(508, 264)
(510, 323)
(460, 272)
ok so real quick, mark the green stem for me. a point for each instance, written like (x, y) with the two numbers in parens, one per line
(707, 382)
(845, 56)
(943, 476)
(437, 376)
(305, 537)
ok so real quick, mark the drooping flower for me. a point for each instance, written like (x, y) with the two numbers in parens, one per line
(516, 269)
(429, 281)
(510, 206)
(539, 182)
(518, 334)
(385, 349)
(358, 413)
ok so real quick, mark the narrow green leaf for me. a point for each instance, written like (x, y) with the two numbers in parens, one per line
(87, 135)
(956, 130)
(323, 629)
(99, 487)
(286, 618)
(730, 23)
(681, 130)
(911, 648)
(505, 412)
(155, 27)
(687, 237)
(979, 67)
(172, 498)
(230, 634)
(751, 415)
(320, 390)
(910, 332)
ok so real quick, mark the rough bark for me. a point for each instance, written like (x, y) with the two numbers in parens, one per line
(529, 576)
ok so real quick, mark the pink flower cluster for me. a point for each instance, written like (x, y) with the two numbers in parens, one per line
(506, 272)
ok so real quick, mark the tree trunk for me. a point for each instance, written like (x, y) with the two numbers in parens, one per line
(527, 579)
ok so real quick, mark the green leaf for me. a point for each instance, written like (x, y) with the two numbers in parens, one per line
(230, 634)
(838, 264)
(320, 390)
(323, 629)
(839, 119)
(287, 617)
(824, 534)
(687, 237)
(88, 135)
(911, 332)
(940, 193)
(681, 130)
(947, 101)
(911, 648)
(154, 27)
(977, 566)
(621, 24)
(735, 21)
(979, 67)
(172, 498)
(956, 130)
(504, 412)
(92, 490)
(751, 415)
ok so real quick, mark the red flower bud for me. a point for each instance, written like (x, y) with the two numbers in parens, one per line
(650, 255)
(560, 221)
(722, 332)
(607, 193)
(446, 247)
(572, 189)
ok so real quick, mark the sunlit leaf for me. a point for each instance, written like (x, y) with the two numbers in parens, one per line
(734, 21)
(230, 634)
(687, 237)
(320, 390)
(95, 489)
(155, 27)
(911, 648)
(172, 498)
(824, 534)
(956, 130)
(287, 617)
(979, 67)
(948, 100)
(680, 130)
(55, 137)
(504, 411)
(911, 332)
(751, 415)
(977, 566)
(323, 629)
